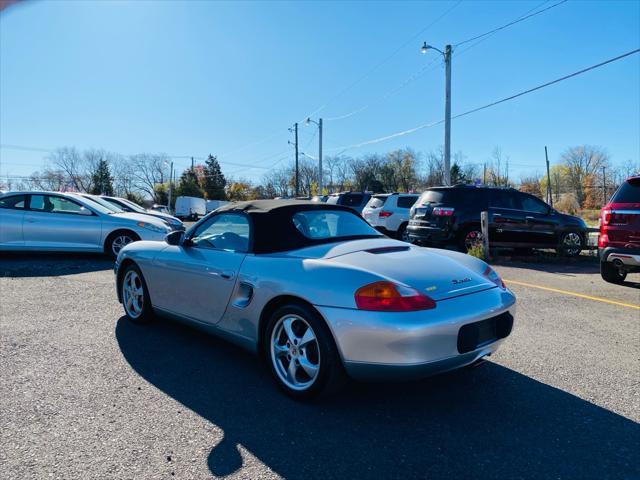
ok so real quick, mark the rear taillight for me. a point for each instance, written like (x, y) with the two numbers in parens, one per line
(491, 275)
(443, 211)
(606, 217)
(386, 296)
(385, 214)
(603, 240)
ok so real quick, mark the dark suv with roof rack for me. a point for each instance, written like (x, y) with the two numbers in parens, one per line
(446, 215)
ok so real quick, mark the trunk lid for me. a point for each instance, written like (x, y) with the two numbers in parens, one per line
(437, 275)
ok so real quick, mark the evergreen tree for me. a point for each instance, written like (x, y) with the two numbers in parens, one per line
(101, 179)
(214, 181)
(188, 185)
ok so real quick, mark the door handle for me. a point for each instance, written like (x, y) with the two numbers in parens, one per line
(227, 274)
(31, 220)
(529, 218)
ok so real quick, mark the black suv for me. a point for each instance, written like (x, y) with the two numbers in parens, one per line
(354, 200)
(445, 215)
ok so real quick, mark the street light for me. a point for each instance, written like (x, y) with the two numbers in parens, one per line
(320, 172)
(447, 107)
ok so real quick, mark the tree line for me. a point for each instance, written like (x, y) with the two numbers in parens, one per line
(583, 178)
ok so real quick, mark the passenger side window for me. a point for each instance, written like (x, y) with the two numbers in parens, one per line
(505, 199)
(352, 200)
(53, 204)
(532, 204)
(15, 202)
(227, 231)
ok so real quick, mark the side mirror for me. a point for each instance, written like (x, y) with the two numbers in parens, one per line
(175, 238)
(85, 211)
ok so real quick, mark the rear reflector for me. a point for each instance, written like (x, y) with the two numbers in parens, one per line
(385, 214)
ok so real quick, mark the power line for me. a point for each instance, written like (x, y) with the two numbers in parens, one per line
(385, 60)
(507, 25)
(497, 102)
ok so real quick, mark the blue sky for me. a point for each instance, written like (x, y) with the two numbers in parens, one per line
(194, 77)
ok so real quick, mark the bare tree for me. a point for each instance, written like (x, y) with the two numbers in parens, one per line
(69, 160)
(584, 164)
(147, 171)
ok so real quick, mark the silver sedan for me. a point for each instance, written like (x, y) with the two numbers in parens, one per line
(59, 222)
(319, 294)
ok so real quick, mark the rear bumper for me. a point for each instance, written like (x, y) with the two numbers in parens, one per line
(422, 233)
(387, 345)
(629, 257)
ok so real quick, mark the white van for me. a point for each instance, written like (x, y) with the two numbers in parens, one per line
(190, 208)
(214, 204)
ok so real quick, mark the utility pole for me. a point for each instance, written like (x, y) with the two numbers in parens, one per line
(192, 164)
(604, 186)
(320, 175)
(484, 174)
(295, 144)
(549, 191)
(170, 185)
(447, 107)
(447, 115)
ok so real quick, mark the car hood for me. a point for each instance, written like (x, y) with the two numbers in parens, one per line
(140, 217)
(440, 274)
(163, 216)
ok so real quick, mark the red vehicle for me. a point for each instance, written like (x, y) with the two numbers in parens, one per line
(619, 241)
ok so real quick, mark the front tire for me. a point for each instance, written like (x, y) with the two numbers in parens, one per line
(612, 274)
(570, 244)
(135, 295)
(301, 353)
(402, 234)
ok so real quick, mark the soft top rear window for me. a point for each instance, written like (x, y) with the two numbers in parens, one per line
(629, 192)
(332, 224)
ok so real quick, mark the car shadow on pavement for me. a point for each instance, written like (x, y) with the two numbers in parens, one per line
(51, 264)
(485, 422)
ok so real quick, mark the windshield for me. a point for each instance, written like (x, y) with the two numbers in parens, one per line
(94, 205)
(629, 192)
(108, 205)
(134, 206)
(324, 224)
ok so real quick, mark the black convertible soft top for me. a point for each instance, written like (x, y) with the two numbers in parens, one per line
(272, 223)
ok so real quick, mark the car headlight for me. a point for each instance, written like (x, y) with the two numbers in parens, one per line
(152, 227)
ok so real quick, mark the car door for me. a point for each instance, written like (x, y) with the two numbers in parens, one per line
(541, 223)
(196, 279)
(12, 210)
(55, 222)
(508, 224)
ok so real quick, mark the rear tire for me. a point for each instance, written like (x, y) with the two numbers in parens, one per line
(612, 274)
(135, 295)
(301, 354)
(469, 237)
(402, 234)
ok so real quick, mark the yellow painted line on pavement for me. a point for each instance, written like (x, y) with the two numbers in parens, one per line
(575, 294)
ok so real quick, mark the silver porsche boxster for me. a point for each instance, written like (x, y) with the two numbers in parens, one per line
(319, 294)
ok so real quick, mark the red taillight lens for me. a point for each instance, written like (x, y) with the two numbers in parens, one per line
(443, 211)
(493, 276)
(603, 240)
(384, 214)
(388, 297)
(606, 217)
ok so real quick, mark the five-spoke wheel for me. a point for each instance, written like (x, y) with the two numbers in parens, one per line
(134, 294)
(301, 353)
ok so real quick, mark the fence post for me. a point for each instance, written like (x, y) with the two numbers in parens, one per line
(484, 226)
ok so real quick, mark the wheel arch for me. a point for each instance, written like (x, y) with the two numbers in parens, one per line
(279, 301)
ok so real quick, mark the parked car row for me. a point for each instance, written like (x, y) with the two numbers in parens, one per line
(52, 221)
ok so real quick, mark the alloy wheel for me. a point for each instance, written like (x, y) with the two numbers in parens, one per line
(133, 294)
(295, 352)
(473, 238)
(119, 243)
(571, 243)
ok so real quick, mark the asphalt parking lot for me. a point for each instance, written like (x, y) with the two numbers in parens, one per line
(86, 394)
